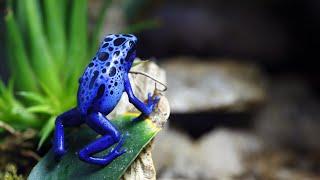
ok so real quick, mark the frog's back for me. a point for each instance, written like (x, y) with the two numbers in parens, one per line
(101, 85)
(99, 92)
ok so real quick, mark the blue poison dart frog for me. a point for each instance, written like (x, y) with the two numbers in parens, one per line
(100, 89)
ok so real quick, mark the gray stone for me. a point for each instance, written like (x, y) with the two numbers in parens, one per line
(142, 167)
(219, 154)
(195, 85)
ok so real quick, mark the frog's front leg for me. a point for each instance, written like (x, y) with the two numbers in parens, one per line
(69, 118)
(145, 109)
(110, 136)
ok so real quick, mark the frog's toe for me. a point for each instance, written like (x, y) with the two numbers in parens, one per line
(117, 150)
(58, 153)
(139, 118)
(156, 99)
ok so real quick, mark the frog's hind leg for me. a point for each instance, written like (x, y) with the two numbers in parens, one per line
(69, 118)
(110, 136)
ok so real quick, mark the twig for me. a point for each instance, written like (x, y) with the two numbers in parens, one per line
(8, 128)
(29, 153)
(147, 75)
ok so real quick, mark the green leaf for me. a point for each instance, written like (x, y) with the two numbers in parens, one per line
(139, 134)
(46, 109)
(13, 112)
(32, 96)
(78, 37)
(78, 43)
(56, 30)
(21, 17)
(42, 61)
(52, 96)
(5, 93)
(46, 131)
(18, 60)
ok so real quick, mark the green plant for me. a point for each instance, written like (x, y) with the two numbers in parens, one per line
(48, 44)
(13, 111)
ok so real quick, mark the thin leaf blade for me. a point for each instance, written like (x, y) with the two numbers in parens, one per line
(32, 96)
(42, 61)
(46, 131)
(56, 30)
(18, 60)
(78, 37)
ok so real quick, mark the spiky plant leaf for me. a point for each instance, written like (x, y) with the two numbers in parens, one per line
(13, 112)
(56, 31)
(18, 60)
(46, 109)
(41, 57)
(78, 42)
(33, 97)
(46, 130)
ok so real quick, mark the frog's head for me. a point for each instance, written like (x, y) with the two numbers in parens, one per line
(118, 50)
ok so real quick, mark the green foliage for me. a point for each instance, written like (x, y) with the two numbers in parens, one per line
(13, 112)
(138, 136)
(48, 44)
(44, 59)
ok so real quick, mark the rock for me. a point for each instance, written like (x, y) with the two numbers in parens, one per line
(195, 85)
(171, 155)
(291, 115)
(142, 167)
(222, 153)
(219, 154)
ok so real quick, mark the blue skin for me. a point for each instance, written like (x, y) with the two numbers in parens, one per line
(100, 89)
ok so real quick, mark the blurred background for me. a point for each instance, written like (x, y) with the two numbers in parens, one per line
(242, 84)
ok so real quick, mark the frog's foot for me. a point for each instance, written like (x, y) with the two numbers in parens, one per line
(150, 106)
(110, 136)
(116, 151)
(99, 145)
(58, 153)
(152, 102)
